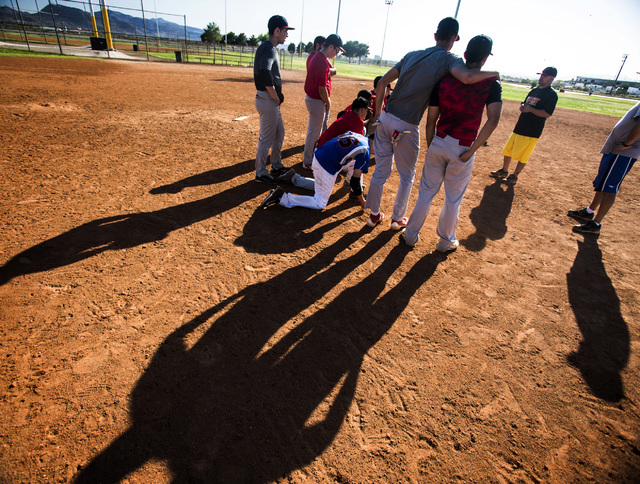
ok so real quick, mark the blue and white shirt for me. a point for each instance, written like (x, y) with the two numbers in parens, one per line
(348, 149)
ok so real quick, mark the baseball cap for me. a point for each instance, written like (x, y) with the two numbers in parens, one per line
(549, 71)
(449, 25)
(278, 21)
(479, 47)
(336, 41)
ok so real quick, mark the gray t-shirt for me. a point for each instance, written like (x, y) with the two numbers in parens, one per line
(420, 71)
(620, 133)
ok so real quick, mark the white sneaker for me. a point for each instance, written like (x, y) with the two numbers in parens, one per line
(445, 246)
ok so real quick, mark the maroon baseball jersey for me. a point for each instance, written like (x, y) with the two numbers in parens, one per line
(349, 121)
(461, 106)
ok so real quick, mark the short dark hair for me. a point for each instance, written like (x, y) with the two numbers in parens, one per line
(365, 94)
(319, 40)
(376, 81)
(359, 103)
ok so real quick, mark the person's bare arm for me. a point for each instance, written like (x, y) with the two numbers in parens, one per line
(494, 111)
(471, 76)
(391, 75)
(432, 117)
(358, 175)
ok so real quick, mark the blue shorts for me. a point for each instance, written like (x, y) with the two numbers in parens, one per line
(613, 169)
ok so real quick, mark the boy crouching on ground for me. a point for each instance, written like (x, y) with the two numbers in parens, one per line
(349, 150)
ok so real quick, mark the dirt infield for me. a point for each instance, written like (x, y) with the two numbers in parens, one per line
(157, 328)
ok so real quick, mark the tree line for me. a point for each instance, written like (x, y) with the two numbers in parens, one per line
(212, 34)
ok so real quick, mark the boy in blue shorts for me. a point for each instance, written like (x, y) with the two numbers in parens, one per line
(619, 153)
(349, 150)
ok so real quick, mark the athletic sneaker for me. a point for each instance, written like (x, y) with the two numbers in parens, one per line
(590, 227)
(266, 179)
(445, 246)
(399, 224)
(374, 220)
(307, 167)
(499, 173)
(273, 198)
(511, 179)
(581, 215)
(403, 237)
(277, 172)
(287, 176)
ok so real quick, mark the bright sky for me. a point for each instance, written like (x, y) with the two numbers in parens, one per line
(579, 37)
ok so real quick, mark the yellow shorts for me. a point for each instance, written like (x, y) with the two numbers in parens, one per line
(519, 147)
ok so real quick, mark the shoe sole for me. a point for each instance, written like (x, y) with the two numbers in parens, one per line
(577, 230)
(495, 175)
(396, 226)
(269, 202)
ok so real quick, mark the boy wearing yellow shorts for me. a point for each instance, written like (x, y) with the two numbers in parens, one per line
(534, 111)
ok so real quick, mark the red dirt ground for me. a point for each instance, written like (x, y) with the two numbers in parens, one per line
(157, 328)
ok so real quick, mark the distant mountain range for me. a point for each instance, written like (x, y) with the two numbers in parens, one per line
(75, 18)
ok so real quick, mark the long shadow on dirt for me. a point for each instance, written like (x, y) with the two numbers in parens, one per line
(239, 395)
(219, 175)
(279, 230)
(604, 351)
(122, 232)
(490, 216)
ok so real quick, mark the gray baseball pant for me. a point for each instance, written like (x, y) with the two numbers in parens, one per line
(316, 125)
(405, 152)
(271, 133)
(442, 164)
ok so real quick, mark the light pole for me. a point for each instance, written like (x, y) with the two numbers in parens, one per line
(624, 59)
(338, 22)
(388, 3)
(301, 25)
(457, 8)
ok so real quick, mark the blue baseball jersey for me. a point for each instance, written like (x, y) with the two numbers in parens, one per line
(344, 150)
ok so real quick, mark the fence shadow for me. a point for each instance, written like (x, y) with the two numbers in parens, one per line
(604, 350)
(490, 216)
(235, 395)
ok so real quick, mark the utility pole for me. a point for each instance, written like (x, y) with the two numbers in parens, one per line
(388, 3)
(624, 59)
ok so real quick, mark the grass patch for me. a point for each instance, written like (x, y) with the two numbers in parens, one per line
(610, 106)
(5, 52)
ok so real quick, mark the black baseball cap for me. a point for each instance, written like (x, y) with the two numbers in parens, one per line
(549, 71)
(449, 26)
(278, 21)
(336, 41)
(479, 47)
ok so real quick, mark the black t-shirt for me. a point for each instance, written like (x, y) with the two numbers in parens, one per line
(528, 123)
(266, 68)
